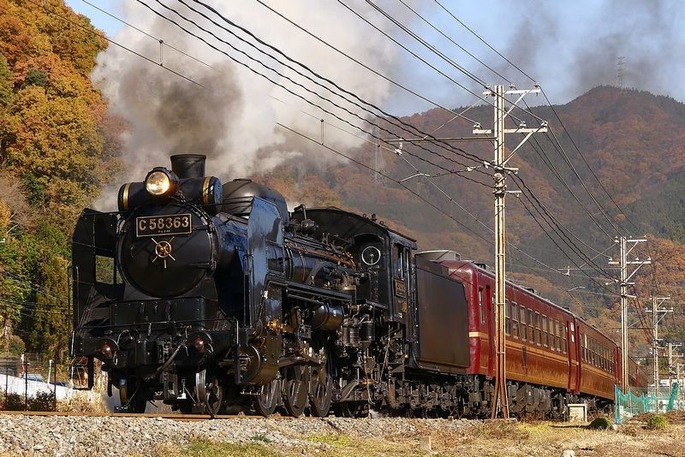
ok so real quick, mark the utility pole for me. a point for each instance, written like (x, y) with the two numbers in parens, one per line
(657, 315)
(625, 281)
(499, 165)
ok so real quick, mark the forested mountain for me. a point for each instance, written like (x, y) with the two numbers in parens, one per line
(620, 171)
(56, 147)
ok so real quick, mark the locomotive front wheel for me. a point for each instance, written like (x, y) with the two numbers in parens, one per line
(352, 409)
(209, 393)
(295, 389)
(267, 399)
(321, 391)
(131, 396)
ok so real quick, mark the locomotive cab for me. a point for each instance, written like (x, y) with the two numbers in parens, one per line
(382, 256)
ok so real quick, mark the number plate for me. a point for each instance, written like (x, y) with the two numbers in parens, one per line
(175, 224)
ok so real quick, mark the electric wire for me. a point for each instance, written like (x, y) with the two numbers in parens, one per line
(457, 83)
(153, 61)
(161, 41)
(338, 117)
(466, 51)
(367, 106)
(366, 67)
(109, 40)
(429, 46)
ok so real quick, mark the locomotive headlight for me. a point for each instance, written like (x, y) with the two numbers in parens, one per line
(160, 182)
(201, 342)
(107, 348)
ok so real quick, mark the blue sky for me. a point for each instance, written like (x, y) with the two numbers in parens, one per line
(567, 47)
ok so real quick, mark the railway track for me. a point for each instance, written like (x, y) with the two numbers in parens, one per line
(171, 416)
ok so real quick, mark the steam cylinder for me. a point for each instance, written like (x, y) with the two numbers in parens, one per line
(327, 317)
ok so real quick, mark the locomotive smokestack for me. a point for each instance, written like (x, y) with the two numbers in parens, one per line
(188, 165)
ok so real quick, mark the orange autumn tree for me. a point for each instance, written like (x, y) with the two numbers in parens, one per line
(54, 152)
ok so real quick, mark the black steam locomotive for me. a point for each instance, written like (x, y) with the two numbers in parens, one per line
(215, 299)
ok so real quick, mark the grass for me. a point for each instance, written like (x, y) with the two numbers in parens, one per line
(330, 444)
(657, 422)
(206, 448)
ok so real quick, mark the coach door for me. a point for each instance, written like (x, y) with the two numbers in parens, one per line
(573, 357)
(491, 330)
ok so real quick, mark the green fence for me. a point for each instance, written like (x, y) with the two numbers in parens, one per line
(661, 400)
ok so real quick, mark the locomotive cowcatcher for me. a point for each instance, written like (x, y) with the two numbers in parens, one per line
(214, 298)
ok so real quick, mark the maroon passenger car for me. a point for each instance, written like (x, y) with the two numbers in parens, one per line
(553, 356)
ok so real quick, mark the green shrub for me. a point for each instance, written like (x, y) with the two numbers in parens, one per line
(657, 422)
(600, 423)
(43, 401)
(16, 345)
(14, 402)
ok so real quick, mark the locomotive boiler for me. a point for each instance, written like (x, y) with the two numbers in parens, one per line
(213, 298)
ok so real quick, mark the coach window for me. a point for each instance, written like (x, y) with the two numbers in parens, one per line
(598, 354)
(514, 319)
(538, 329)
(481, 307)
(573, 333)
(545, 331)
(507, 322)
(523, 323)
(605, 359)
(557, 325)
(564, 341)
(531, 326)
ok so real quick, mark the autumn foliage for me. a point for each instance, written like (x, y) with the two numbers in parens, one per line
(52, 157)
(59, 145)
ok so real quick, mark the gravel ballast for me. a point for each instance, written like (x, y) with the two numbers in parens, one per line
(124, 436)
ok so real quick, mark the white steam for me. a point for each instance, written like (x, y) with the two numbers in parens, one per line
(187, 96)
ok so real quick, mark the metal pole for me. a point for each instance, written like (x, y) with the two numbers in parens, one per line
(625, 282)
(501, 399)
(655, 345)
(500, 254)
(624, 317)
(26, 383)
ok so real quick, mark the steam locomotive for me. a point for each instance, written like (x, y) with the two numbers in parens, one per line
(213, 298)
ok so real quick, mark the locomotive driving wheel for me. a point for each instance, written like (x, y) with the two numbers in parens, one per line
(320, 390)
(266, 401)
(295, 389)
(209, 392)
